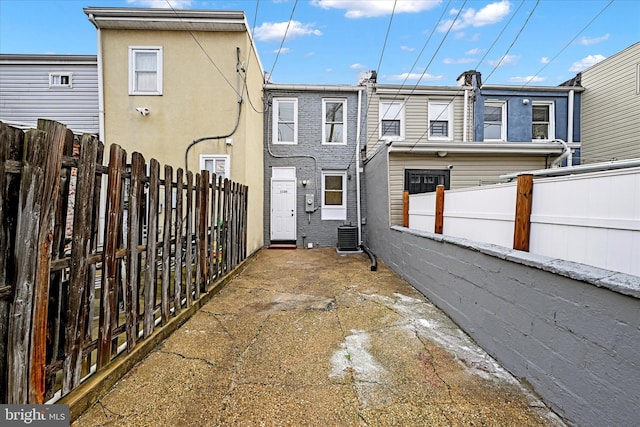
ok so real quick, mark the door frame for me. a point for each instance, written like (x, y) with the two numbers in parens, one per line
(284, 174)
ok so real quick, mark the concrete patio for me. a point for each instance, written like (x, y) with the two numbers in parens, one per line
(312, 337)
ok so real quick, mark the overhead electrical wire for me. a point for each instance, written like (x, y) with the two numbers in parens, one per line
(283, 38)
(570, 41)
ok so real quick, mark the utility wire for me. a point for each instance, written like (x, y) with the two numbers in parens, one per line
(570, 41)
(514, 41)
(283, 38)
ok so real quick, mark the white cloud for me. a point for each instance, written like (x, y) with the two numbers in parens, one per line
(176, 4)
(451, 61)
(328, 70)
(474, 51)
(283, 51)
(505, 60)
(271, 31)
(586, 62)
(588, 42)
(413, 77)
(545, 60)
(368, 9)
(490, 14)
(407, 48)
(528, 79)
(356, 66)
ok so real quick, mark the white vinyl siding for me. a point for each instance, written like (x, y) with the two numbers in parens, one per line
(145, 70)
(285, 121)
(26, 94)
(610, 106)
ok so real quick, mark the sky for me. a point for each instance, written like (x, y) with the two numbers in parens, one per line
(426, 42)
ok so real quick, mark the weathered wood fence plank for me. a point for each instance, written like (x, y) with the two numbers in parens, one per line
(177, 280)
(108, 294)
(151, 267)
(166, 245)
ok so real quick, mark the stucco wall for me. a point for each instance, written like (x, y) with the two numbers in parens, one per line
(569, 330)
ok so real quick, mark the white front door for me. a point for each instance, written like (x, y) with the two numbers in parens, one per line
(283, 209)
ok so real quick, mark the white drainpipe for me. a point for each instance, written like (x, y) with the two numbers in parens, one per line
(357, 157)
(466, 113)
(570, 126)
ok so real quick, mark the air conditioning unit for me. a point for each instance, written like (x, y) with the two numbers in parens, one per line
(348, 238)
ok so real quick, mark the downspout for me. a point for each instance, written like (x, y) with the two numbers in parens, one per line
(466, 113)
(570, 114)
(357, 156)
(100, 81)
(567, 152)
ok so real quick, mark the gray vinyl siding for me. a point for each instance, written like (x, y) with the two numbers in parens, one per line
(611, 108)
(468, 171)
(25, 95)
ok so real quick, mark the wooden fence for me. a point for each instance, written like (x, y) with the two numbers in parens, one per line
(76, 293)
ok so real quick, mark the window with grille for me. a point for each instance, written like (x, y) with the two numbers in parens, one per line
(440, 123)
(59, 80)
(391, 120)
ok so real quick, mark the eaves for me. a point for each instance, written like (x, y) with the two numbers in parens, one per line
(444, 148)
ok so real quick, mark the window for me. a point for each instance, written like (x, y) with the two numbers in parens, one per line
(145, 70)
(59, 79)
(334, 196)
(440, 120)
(285, 121)
(495, 121)
(391, 120)
(333, 126)
(542, 123)
(425, 180)
(216, 164)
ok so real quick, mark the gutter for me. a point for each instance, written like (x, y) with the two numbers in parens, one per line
(357, 157)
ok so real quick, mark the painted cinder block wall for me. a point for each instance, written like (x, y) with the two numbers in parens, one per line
(311, 228)
(571, 331)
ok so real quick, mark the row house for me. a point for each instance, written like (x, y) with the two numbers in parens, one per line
(466, 135)
(57, 87)
(178, 85)
(311, 157)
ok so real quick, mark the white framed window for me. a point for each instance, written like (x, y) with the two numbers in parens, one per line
(495, 121)
(145, 70)
(391, 120)
(542, 120)
(440, 120)
(334, 195)
(334, 129)
(60, 79)
(218, 164)
(285, 121)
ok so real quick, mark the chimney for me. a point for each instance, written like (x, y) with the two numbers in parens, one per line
(471, 78)
(365, 77)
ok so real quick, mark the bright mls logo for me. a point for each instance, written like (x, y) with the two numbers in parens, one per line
(34, 415)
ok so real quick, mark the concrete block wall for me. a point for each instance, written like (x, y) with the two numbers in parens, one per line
(312, 228)
(570, 330)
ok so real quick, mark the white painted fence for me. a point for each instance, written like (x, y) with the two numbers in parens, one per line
(591, 218)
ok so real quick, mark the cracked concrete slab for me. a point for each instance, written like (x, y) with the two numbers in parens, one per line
(312, 337)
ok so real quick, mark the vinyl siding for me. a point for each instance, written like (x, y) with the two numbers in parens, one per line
(468, 171)
(611, 108)
(25, 95)
(416, 116)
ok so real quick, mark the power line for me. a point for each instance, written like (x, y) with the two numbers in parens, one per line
(570, 41)
(514, 41)
(283, 38)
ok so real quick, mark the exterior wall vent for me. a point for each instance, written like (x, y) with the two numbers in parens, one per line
(348, 238)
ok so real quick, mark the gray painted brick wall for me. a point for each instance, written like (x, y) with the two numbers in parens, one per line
(311, 228)
(572, 331)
